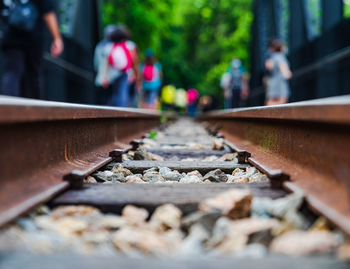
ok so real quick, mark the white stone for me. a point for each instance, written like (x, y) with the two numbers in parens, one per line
(190, 179)
(285, 208)
(120, 169)
(301, 243)
(235, 203)
(131, 239)
(134, 179)
(193, 243)
(195, 173)
(134, 216)
(166, 217)
(238, 172)
(111, 222)
(218, 144)
(90, 180)
(154, 157)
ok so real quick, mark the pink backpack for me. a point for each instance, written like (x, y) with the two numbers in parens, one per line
(192, 96)
(120, 57)
(148, 72)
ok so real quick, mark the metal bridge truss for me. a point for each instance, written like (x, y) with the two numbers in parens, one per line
(318, 46)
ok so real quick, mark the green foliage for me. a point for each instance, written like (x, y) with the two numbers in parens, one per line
(194, 39)
(346, 9)
(153, 135)
(315, 10)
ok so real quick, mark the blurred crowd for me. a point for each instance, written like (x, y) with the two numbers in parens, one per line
(125, 82)
(122, 78)
(235, 81)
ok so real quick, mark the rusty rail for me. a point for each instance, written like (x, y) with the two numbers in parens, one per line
(43, 143)
(302, 146)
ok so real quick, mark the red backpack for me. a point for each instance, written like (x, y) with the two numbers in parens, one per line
(150, 72)
(120, 57)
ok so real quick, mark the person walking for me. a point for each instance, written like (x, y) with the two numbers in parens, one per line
(104, 74)
(225, 84)
(277, 84)
(22, 45)
(180, 100)
(168, 97)
(235, 85)
(192, 99)
(237, 81)
(114, 59)
(152, 76)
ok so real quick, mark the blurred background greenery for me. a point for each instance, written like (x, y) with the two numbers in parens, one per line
(195, 40)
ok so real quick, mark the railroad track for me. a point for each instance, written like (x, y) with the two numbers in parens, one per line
(86, 163)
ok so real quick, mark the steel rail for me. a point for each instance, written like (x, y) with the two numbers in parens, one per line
(302, 146)
(44, 144)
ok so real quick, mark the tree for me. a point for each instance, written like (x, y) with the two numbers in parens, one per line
(194, 39)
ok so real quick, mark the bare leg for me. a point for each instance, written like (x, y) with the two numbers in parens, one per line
(281, 101)
(276, 101)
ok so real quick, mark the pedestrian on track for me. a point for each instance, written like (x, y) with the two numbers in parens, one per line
(104, 74)
(22, 45)
(115, 59)
(152, 75)
(278, 90)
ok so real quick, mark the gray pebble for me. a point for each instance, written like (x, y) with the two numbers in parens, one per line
(206, 219)
(153, 169)
(216, 176)
(153, 177)
(27, 224)
(169, 175)
(140, 154)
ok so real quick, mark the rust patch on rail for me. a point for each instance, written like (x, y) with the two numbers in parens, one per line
(308, 142)
(43, 143)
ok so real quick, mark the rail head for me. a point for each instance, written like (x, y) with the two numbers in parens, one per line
(16, 110)
(332, 110)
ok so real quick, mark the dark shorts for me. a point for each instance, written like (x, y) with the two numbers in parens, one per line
(22, 73)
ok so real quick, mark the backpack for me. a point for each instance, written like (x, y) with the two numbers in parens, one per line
(180, 98)
(236, 79)
(192, 96)
(150, 72)
(168, 94)
(120, 57)
(23, 15)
